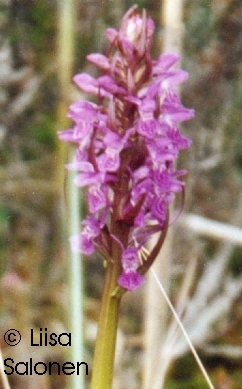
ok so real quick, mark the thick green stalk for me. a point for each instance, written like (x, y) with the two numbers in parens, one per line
(108, 321)
(107, 331)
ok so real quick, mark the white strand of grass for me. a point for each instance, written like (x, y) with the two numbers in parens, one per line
(206, 289)
(211, 228)
(199, 325)
(172, 23)
(173, 333)
(199, 329)
(199, 321)
(76, 285)
(66, 35)
(3, 375)
(183, 297)
(194, 352)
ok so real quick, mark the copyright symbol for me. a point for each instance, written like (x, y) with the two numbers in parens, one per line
(12, 337)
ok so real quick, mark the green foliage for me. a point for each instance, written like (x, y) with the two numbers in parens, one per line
(235, 263)
(186, 374)
(84, 45)
(44, 131)
(199, 26)
(141, 3)
(41, 23)
(4, 225)
(4, 221)
(237, 379)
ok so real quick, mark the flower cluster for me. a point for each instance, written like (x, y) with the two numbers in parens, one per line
(127, 144)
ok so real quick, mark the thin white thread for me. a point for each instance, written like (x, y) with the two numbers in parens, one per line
(197, 358)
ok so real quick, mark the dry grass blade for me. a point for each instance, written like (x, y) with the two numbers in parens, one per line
(212, 228)
(2, 374)
(173, 332)
(199, 362)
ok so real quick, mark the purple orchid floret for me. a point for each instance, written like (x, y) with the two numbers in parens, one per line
(130, 280)
(127, 145)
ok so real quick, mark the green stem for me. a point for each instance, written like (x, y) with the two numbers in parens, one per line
(104, 354)
(107, 331)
